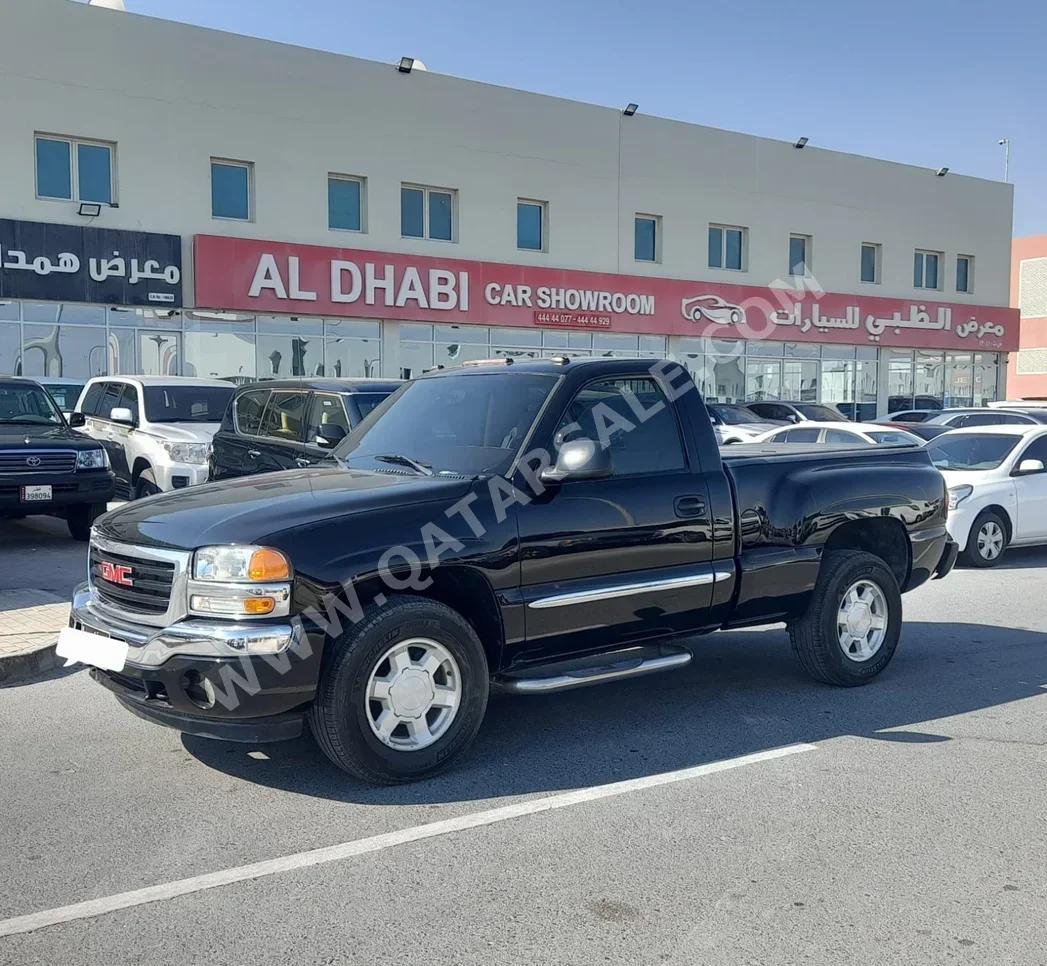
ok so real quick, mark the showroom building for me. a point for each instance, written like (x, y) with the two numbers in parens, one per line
(187, 201)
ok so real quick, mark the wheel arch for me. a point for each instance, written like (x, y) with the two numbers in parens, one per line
(1002, 513)
(884, 537)
(141, 464)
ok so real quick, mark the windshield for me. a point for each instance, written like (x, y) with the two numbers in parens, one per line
(819, 414)
(970, 451)
(462, 423)
(734, 415)
(186, 404)
(28, 404)
(65, 396)
(893, 437)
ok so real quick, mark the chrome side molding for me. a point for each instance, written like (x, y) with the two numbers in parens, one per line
(625, 590)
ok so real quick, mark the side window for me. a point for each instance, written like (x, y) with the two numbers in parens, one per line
(841, 436)
(806, 434)
(284, 416)
(248, 411)
(327, 410)
(1036, 450)
(979, 419)
(129, 400)
(600, 409)
(1017, 419)
(110, 399)
(92, 398)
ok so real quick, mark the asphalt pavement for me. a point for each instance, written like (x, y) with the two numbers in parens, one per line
(903, 822)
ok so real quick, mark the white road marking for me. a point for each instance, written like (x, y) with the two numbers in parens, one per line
(376, 843)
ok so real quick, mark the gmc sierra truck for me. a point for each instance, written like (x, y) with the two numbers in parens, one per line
(521, 527)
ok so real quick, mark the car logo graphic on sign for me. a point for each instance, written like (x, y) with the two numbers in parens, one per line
(116, 574)
(712, 308)
(32, 461)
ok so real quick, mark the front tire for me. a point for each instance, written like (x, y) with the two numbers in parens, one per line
(146, 485)
(402, 693)
(80, 519)
(854, 619)
(987, 541)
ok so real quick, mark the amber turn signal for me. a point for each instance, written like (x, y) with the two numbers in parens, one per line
(259, 605)
(268, 564)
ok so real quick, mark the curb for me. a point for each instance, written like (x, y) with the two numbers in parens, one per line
(28, 664)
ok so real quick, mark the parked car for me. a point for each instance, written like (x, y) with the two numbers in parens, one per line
(156, 428)
(963, 418)
(843, 434)
(796, 412)
(923, 430)
(46, 467)
(281, 424)
(65, 392)
(737, 424)
(910, 416)
(1022, 404)
(487, 532)
(997, 488)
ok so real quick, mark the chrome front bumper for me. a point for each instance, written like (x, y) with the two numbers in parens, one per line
(152, 646)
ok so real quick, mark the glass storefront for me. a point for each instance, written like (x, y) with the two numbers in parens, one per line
(80, 341)
(738, 372)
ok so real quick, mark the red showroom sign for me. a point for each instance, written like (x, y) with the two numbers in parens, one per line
(263, 277)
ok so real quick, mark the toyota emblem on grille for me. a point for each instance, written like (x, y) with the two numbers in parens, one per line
(32, 461)
(116, 573)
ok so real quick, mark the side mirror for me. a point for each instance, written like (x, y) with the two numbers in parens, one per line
(77, 419)
(329, 434)
(1028, 467)
(793, 418)
(122, 415)
(578, 459)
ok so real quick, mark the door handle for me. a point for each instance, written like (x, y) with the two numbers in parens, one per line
(303, 462)
(253, 454)
(689, 506)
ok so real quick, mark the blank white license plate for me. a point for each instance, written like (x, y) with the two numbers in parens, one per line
(34, 494)
(94, 649)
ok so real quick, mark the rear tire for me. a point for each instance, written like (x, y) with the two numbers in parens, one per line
(146, 485)
(987, 541)
(854, 619)
(347, 719)
(80, 519)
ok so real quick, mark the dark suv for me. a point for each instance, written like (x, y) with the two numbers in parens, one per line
(45, 466)
(289, 423)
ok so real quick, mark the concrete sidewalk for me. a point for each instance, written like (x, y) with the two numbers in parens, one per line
(29, 624)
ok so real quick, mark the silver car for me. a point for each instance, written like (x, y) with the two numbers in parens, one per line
(733, 423)
(157, 429)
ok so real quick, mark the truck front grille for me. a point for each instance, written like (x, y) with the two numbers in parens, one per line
(38, 461)
(131, 583)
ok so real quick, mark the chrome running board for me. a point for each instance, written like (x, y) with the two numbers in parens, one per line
(616, 666)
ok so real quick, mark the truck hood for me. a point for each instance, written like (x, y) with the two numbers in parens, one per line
(255, 508)
(183, 432)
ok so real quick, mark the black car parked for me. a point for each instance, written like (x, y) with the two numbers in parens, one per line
(46, 467)
(289, 423)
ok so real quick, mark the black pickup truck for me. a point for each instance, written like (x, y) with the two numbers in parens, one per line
(525, 527)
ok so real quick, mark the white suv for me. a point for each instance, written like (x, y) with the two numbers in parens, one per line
(157, 429)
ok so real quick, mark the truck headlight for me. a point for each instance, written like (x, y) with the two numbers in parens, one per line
(186, 452)
(957, 494)
(92, 459)
(240, 564)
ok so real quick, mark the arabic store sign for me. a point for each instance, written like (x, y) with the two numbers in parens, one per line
(261, 277)
(70, 263)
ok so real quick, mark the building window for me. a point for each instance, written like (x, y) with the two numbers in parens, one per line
(726, 247)
(427, 213)
(645, 241)
(345, 203)
(800, 255)
(70, 170)
(925, 270)
(964, 273)
(871, 263)
(530, 225)
(231, 190)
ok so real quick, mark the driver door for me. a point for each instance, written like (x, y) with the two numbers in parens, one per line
(1030, 490)
(327, 418)
(595, 554)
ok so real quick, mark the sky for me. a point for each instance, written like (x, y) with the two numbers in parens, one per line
(908, 80)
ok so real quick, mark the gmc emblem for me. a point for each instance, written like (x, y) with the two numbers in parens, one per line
(116, 574)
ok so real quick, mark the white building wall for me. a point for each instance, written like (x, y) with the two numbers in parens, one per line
(173, 96)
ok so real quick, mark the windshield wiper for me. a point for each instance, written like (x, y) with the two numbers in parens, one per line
(425, 469)
(28, 422)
